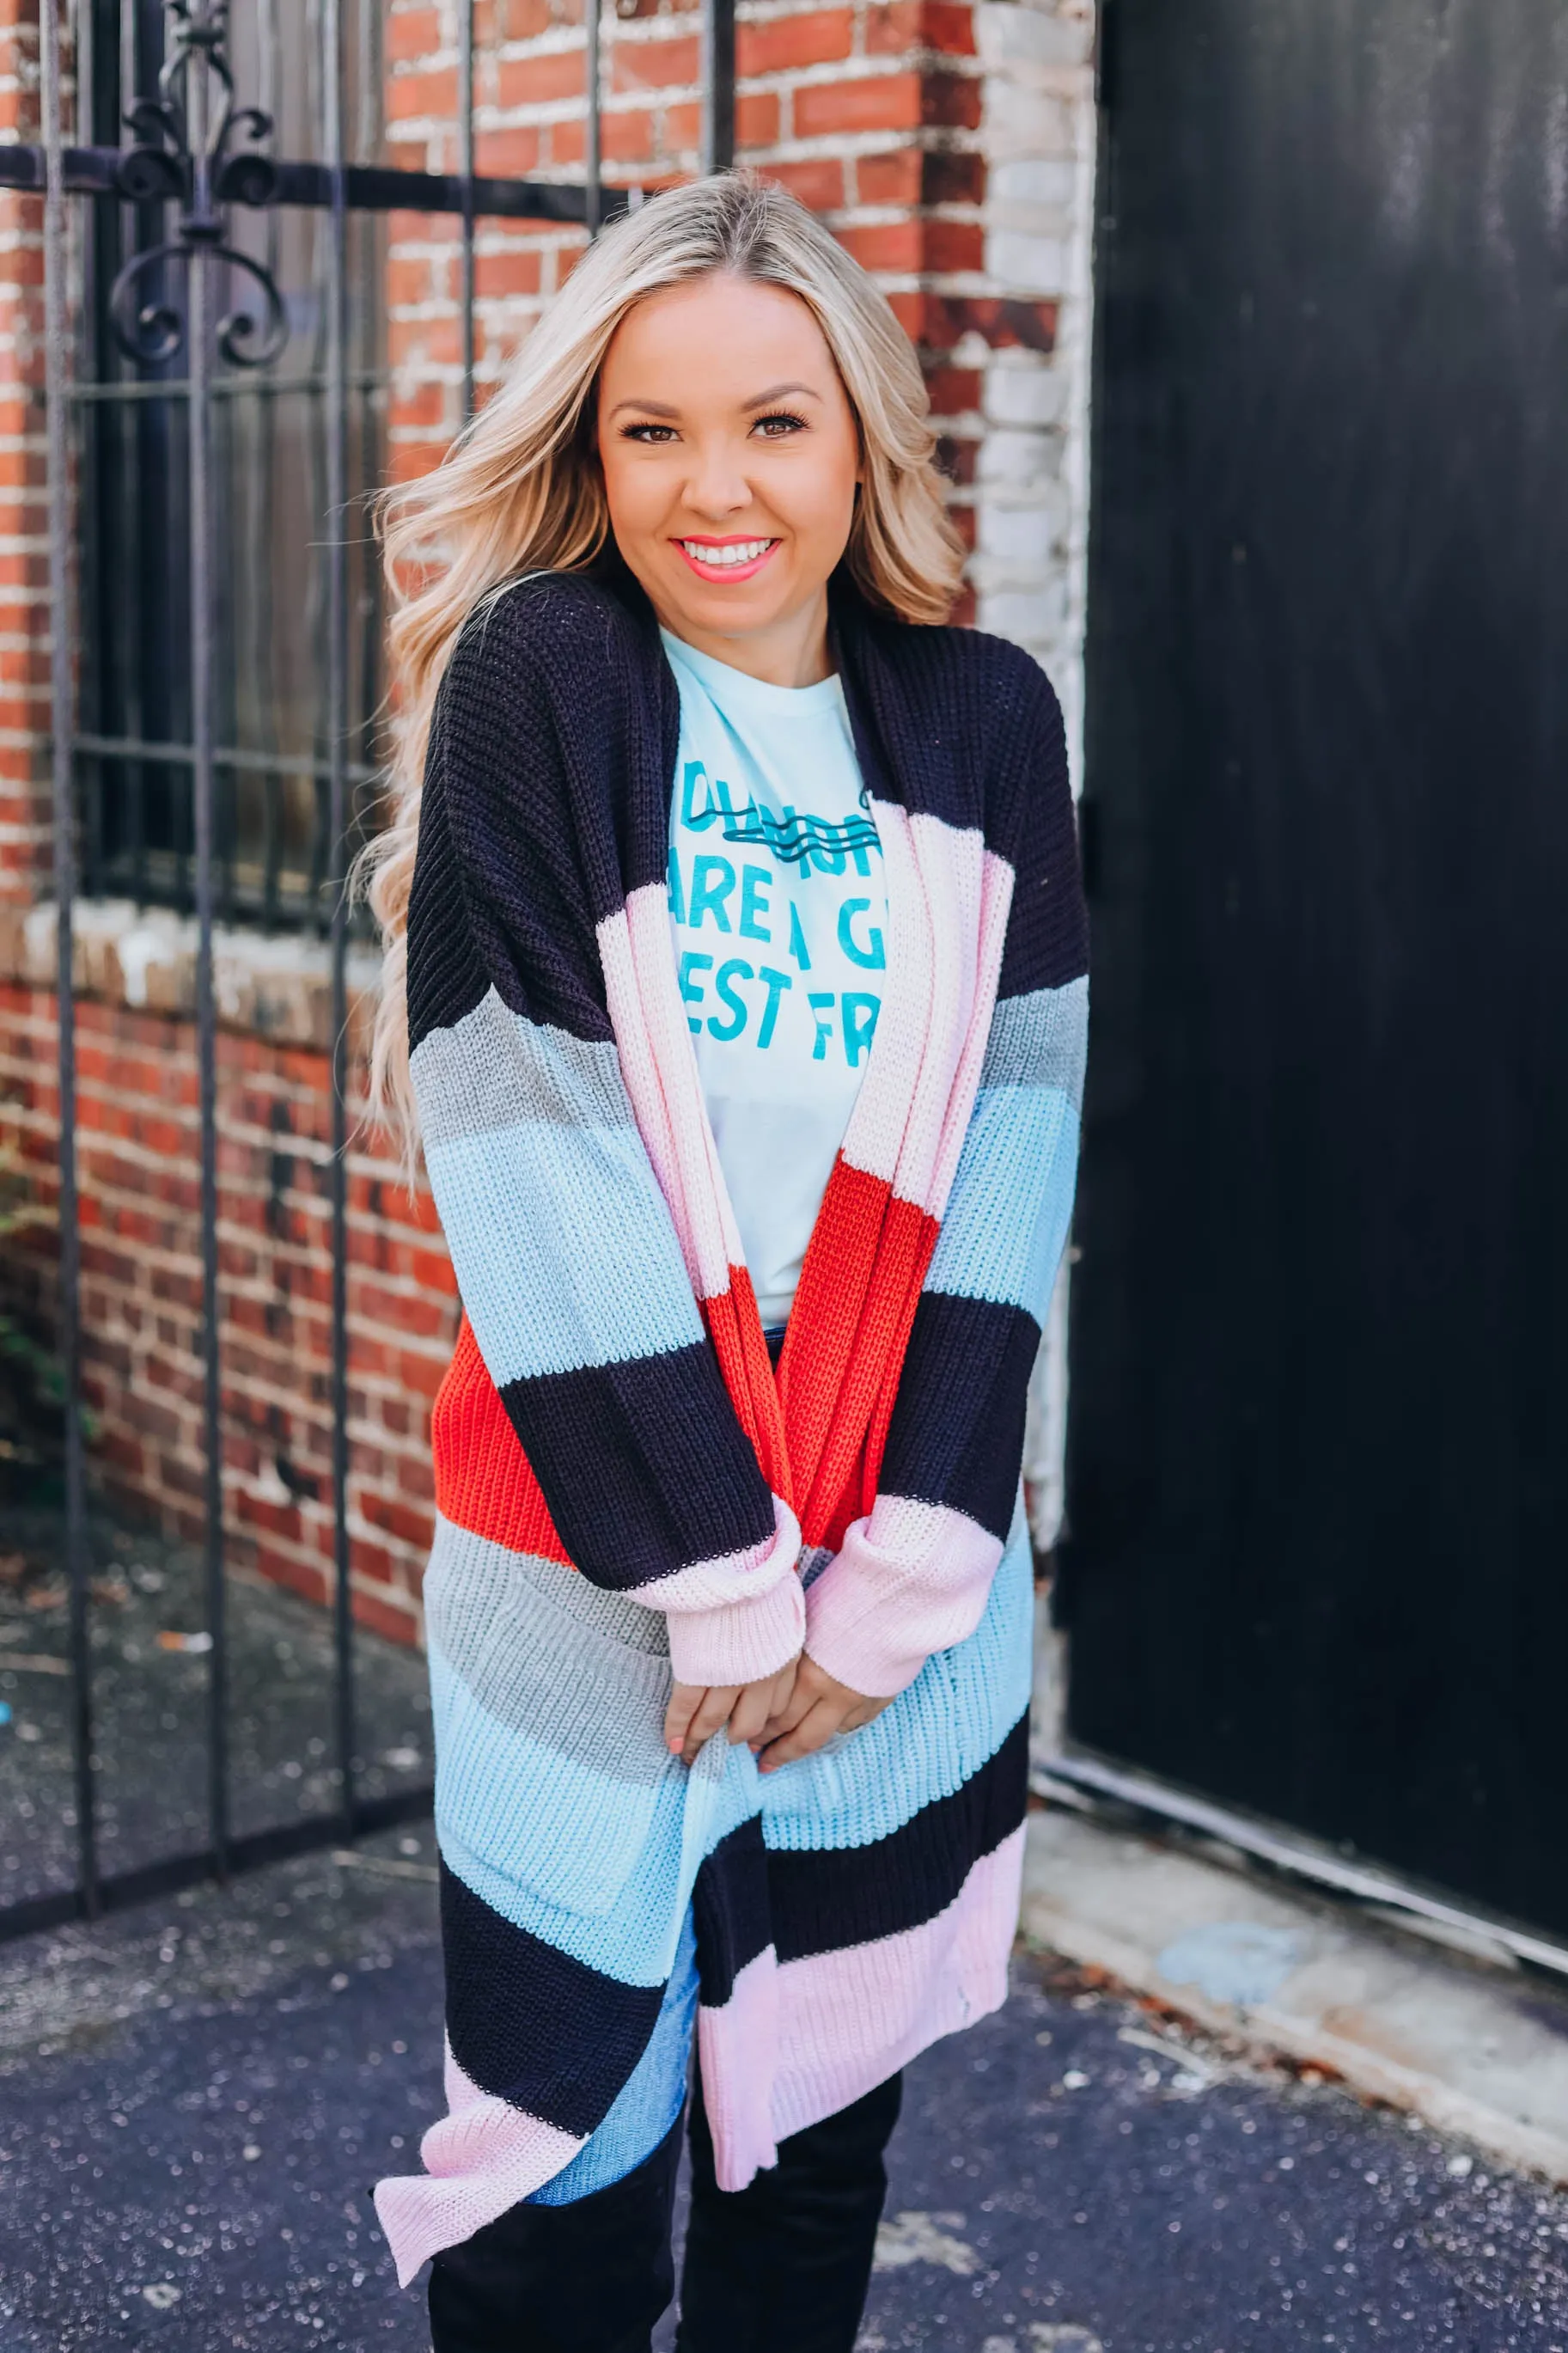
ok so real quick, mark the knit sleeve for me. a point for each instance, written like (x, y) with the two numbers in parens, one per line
(913, 1577)
(566, 1256)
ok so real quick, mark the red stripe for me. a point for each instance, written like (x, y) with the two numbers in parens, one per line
(835, 1278)
(875, 1360)
(735, 1328)
(483, 1480)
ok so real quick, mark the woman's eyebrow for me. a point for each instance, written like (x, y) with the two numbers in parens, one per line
(777, 391)
(648, 407)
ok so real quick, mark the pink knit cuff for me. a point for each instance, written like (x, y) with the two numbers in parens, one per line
(912, 1579)
(742, 1642)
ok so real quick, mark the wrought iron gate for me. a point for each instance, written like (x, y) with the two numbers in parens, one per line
(189, 294)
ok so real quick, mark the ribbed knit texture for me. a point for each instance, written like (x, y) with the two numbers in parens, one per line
(612, 1408)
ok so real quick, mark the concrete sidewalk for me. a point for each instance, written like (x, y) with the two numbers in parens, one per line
(1477, 2048)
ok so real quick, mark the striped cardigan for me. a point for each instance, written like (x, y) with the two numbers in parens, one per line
(611, 1407)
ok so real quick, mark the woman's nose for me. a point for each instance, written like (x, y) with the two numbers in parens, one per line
(718, 483)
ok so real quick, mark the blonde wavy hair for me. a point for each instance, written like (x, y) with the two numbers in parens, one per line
(519, 491)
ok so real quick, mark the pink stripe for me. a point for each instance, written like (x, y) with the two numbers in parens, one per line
(714, 1233)
(639, 1069)
(737, 2048)
(481, 2158)
(911, 1579)
(737, 1619)
(996, 902)
(947, 913)
(949, 864)
(876, 1131)
(850, 2019)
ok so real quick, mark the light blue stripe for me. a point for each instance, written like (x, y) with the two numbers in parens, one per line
(603, 1872)
(574, 1831)
(565, 1251)
(1039, 1041)
(953, 1717)
(1012, 1199)
(653, 2097)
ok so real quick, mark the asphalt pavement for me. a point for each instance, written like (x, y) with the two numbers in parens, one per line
(195, 2098)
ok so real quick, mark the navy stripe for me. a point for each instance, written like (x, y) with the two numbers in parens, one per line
(446, 977)
(674, 1479)
(828, 1898)
(957, 1431)
(531, 2026)
(730, 1903)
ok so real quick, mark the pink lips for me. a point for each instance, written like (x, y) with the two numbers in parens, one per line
(727, 571)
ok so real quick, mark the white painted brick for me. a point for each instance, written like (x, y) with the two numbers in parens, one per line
(1018, 458)
(1015, 536)
(1031, 181)
(1009, 38)
(1030, 616)
(1028, 395)
(1036, 265)
(1025, 123)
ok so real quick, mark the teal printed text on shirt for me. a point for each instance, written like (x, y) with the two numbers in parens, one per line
(778, 913)
(793, 835)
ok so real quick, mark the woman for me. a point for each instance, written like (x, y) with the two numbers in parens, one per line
(734, 979)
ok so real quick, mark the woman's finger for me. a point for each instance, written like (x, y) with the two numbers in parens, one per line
(801, 1699)
(751, 1712)
(685, 1699)
(814, 1730)
(713, 1714)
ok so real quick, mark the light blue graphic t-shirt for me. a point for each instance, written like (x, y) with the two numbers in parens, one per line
(780, 914)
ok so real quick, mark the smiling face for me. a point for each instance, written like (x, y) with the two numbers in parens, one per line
(730, 454)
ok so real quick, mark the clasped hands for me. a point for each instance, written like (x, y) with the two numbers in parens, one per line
(781, 1718)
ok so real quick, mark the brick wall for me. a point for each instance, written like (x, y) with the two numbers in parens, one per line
(23, 562)
(141, 1289)
(950, 145)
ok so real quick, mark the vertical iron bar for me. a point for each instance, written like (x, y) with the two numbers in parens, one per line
(130, 440)
(56, 355)
(465, 166)
(203, 587)
(593, 149)
(718, 85)
(336, 372)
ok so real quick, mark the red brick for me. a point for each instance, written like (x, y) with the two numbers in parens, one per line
(954, 245)
(820, 36)
(896, 26)
(507, 154)
(757, 117)
(887, 245)
(541, 81)
(496, 275)
(412, 34)
(885, 103)
(818, 183)
(895, 178)
(423, 96)
(655, 65)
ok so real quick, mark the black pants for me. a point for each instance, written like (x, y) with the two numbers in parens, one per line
(781, 2267)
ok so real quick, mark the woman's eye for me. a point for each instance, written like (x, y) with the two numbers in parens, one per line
(777, 427)
(656, 434)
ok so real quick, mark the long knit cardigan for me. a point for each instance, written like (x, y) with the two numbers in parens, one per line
(611, 1409)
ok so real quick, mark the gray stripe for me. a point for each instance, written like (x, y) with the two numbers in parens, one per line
(546, 1652)
(1040, 1040)
(492, 1069)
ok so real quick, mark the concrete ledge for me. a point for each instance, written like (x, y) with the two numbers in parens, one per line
(273, 984)
(1476, 2049)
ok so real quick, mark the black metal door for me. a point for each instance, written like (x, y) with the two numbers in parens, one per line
(1319, 1453)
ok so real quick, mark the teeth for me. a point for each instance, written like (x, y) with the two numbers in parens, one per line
(743, 551)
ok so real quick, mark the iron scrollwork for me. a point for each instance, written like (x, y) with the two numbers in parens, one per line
(195, 147)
